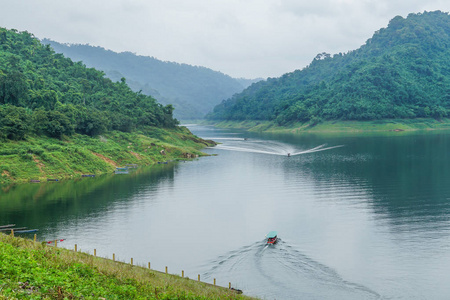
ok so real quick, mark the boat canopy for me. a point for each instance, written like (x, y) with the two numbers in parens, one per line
(272, 234)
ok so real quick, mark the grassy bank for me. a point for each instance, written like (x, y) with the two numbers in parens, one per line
(342, 127)
(31, 270)
(42, 158)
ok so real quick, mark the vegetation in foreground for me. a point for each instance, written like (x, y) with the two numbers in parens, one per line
(42, 158)
(30, 270)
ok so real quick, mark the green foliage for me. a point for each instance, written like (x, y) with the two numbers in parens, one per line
(401, 72)
(14, 122)
(45, 93)
(42, 157)
(31, 270)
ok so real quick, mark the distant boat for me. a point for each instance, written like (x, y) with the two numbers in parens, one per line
(121, 171)
(26, 231)
(272, 237)
(7, 226)
(88, 175)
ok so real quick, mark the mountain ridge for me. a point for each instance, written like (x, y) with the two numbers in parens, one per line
(402, 71)
(192, 90)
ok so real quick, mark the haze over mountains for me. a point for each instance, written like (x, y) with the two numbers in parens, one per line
(403, 71)
(192, 90)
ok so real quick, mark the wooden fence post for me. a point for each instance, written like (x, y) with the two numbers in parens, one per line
(75, 247)
(114, 257)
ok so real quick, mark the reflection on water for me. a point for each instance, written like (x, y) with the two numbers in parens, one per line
(49, 204)
(358, 217)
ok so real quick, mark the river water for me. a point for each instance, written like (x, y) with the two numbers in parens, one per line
(359, 217)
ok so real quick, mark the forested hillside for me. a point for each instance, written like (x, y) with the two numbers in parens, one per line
(44, 93)
(403, 71)
(192, 90)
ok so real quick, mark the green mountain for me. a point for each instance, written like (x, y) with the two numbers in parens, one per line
(60, 119)
(403, 71)
(44, 93)
(193, 91)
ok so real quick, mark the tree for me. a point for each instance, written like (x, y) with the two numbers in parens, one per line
(14, 122)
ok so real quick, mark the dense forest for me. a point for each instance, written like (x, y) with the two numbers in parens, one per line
(403, 71)
(192, 90)
(44, 93)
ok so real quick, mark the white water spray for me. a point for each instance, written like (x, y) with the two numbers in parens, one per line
(266, 147)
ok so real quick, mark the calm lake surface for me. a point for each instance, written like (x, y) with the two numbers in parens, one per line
(363, 217)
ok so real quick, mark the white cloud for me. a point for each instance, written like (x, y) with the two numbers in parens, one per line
(240, 38)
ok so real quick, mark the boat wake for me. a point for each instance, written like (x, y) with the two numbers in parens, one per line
(282, 272)
(266, 147)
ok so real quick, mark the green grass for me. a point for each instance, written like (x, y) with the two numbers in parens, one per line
(42, 158)
(30, 270)
(341, 127)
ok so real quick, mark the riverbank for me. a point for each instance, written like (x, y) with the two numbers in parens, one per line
(35, 270)
(40, 158)
(338, 127)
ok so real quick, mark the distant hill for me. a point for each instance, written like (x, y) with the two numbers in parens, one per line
(192, 90)
(403, 71)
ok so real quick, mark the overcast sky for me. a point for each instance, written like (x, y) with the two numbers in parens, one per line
(241, 38)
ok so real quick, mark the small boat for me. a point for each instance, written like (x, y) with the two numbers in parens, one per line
(88, 175)
(13, 228)
(272, 237)
(26, 231)
(121, 171)
(7, 226)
